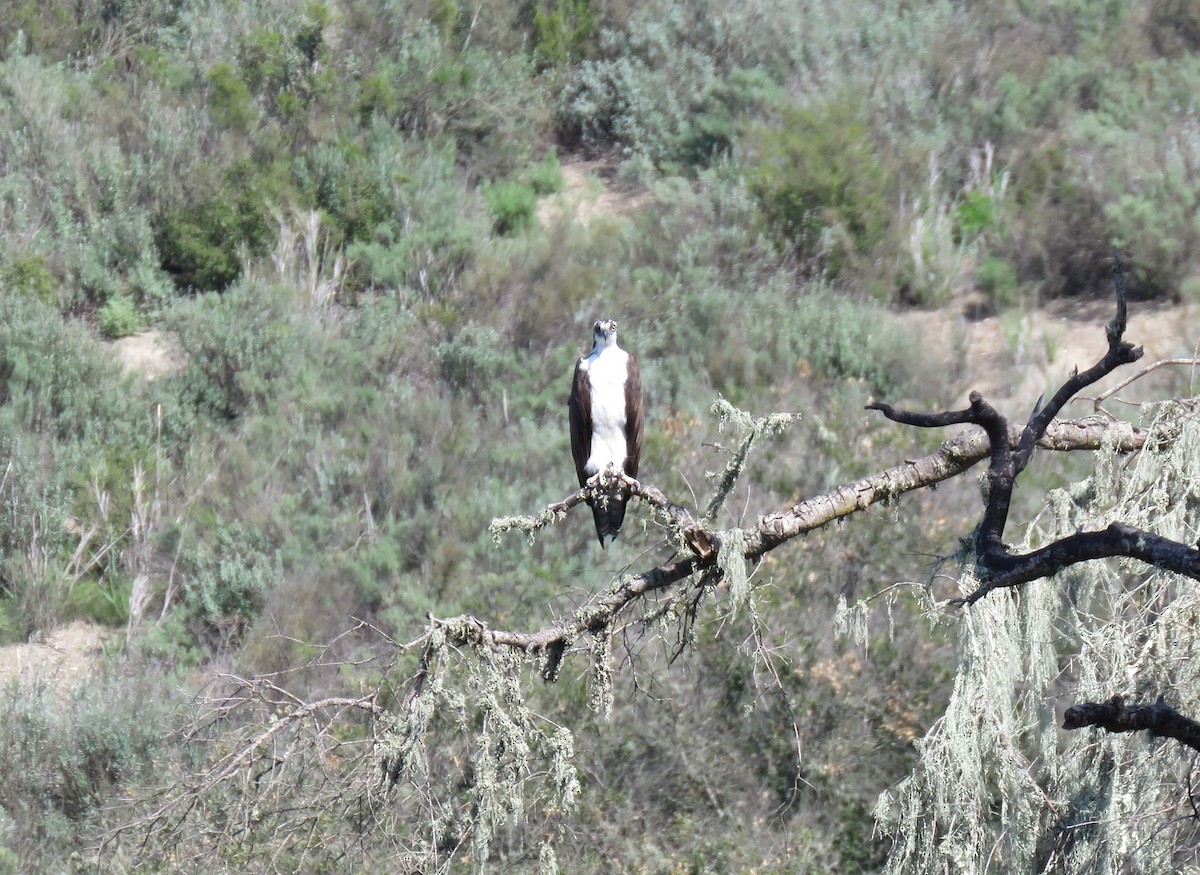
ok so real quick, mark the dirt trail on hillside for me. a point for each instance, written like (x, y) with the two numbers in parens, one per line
(150, 353)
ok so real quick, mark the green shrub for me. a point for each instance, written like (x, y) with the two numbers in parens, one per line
(236, 345)
(976, 214)
(546, 176)
(822, 189)
(64, 751)
(202, 245)
(561, 28)
(75, 186)
(289, 68)
(29, 274)
(376, 97)
(119, 317)
(408, 216)
(512, 205)
(997, 278)
(723, 112)
(228, 573)
(348, 186)
(102, 601)
(485, 104)
(231, 104)
(474, 359)
(639, 93)
(199, 246)
(55, 377)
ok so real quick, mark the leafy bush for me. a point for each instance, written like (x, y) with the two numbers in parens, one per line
(231, 104)
(289, 68)
(483, 103)
(822, 188)
(78, 199)
(512, 204)
(546, 176)
(201, 245)
(28, 274)
(64, 752)
(55, 378)
(236, 346)
(415, 228)
(639, 93)
(119, 317)
(561, 28)
(998, 279)
(226, 576)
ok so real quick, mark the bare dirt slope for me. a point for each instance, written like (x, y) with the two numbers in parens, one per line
(590, 190)
(1019, 356)
(63, 657)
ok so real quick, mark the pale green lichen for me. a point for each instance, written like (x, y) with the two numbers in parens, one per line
(731, 563)
(530, 525)
(749, 431)
(997, 786)
(601, 681)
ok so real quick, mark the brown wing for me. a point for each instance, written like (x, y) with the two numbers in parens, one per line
(579, 406)
(633, 417)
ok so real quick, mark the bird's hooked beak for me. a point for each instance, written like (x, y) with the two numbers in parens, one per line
(604, 331)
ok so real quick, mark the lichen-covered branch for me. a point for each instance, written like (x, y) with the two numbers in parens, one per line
(1115, 716)
(696, 537)
(952, 458)
(752, 429)
(949, 460)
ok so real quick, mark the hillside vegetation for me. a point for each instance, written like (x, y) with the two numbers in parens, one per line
(331, 209)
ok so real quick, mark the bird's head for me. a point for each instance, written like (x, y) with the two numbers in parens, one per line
(604, 333)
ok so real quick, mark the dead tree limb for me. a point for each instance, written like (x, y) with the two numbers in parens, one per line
(952, 458)
(997, 565)
(1159, 719)
(614, 483)
(1112, 390)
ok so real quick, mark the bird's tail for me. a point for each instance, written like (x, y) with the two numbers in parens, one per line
(608, 515)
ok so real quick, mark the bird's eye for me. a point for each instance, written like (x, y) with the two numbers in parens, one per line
(596, 327)
(613, 324)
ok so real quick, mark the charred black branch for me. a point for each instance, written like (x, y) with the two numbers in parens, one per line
(1158, 719)
(1004, 569)
(996, 564)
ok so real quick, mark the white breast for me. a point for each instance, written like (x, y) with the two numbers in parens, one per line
(607, 371)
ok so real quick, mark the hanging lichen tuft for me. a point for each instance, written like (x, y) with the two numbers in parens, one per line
(997, 786)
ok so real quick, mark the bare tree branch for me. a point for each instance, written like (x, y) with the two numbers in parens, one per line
(613, 483)
(997, 565)
(1158, 719)
(297, 730)
(1112, 390)
(952, 458)
(949, 460)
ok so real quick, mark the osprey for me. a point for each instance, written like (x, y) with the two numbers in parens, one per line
(606, 420)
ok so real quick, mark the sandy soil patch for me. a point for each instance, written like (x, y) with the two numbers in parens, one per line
(1019, 356)
(63, 657)
(150, 353)
(590, 190)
